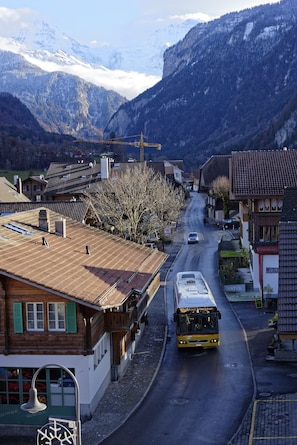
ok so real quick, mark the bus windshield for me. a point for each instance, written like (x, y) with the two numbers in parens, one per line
(197, 323)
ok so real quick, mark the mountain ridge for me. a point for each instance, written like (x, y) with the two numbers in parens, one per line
(226, 86)
(61, 103)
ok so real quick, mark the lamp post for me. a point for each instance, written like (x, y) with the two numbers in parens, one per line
(34, 406)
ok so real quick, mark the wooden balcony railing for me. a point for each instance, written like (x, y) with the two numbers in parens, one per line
(123, 321)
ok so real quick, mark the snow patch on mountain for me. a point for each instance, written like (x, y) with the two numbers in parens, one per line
(127, 70)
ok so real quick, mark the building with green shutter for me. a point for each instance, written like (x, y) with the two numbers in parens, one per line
(71, 295)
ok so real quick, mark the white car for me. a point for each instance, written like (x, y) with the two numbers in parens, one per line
(193, 238)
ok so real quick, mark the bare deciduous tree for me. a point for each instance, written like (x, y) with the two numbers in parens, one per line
(221, 188)
(137, 203)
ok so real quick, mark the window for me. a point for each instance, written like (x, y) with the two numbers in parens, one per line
(261, 205)
(280, 204)
(56, 316)
(35, 317)
(267, 205)
(268, 233)
(273, 205)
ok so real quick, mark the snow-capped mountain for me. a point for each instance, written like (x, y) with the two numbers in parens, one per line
(228, 85)
(126, 70)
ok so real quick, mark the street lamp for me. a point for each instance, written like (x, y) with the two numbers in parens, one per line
(34, 406)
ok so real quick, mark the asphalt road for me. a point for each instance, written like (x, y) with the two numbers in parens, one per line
(199, 397)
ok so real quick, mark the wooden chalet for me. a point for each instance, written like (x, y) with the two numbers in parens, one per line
(33, 187)
(258, 180)
(71, 295)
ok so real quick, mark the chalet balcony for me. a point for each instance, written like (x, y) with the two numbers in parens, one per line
(124, 321)
(263, 230)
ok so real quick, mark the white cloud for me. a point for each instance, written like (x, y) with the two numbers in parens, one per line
(12, 20)
(128, 84)
(198, 16)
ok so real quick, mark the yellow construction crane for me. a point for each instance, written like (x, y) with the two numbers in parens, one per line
(140, 144)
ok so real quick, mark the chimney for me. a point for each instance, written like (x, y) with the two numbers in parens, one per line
(19, 186)
(104, 168)
(43, 221)
(60, 227)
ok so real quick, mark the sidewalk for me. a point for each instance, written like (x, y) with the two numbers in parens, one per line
(271, 418)
(123, 397)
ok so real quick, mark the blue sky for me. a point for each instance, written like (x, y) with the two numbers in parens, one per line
(116, 22)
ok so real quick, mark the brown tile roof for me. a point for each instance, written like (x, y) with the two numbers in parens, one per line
(103, 278)
(260, 173)
(76, 210)
(9, 193)
(287, 287)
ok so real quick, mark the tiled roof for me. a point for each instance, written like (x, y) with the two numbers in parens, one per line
(260, 173)
(216, 165)
(35, 178)
(178, 162)
(103, 278)
(76, 210)
(74, 178)
(287, 286)
(9, 193)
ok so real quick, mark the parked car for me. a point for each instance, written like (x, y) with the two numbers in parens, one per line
(193, 238)
(231, 223)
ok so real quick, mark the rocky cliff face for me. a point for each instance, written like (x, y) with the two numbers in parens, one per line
(61, 103)
(228, 85)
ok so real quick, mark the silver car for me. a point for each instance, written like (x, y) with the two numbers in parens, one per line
(193, 238)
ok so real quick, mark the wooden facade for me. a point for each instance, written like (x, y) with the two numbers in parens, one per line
(69, 295)
(15, 338)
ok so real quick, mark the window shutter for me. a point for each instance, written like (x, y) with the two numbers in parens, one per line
(18, 317)
(71, 327)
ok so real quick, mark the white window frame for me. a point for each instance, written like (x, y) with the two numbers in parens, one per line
(279, 204)
(273, 205)
(261, 205)
(267, 205)
(59, 323)
(35, 323)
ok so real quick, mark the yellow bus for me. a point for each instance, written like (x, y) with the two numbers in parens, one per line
(195, 312)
